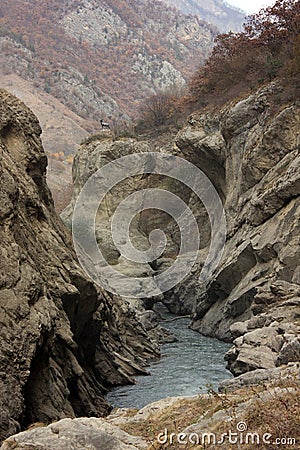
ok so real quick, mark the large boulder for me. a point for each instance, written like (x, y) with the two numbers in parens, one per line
(72, 434)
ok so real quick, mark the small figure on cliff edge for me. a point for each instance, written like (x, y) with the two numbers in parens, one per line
(104, 125)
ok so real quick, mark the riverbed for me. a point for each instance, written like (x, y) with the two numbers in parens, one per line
(187, 367)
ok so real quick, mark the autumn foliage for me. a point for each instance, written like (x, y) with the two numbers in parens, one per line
(65, 64)
(268, 47)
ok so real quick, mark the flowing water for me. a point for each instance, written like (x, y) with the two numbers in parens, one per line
(187, 367)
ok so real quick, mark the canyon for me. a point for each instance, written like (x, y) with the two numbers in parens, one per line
(65, 341)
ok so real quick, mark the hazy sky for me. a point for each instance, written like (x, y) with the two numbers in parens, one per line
(251, 6)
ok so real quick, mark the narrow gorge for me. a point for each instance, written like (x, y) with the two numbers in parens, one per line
(65, 341)
(250, 151)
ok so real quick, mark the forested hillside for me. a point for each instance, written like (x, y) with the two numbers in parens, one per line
(101, 58)
(267, 49)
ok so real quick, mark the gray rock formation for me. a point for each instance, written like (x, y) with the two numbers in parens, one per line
(250, 150)
(89, 159)
(72, 434)
(63, 341)
(262, 377)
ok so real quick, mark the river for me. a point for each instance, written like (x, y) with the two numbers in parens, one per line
(187, 367)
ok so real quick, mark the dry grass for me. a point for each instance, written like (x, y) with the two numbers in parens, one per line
(101, 136)
(279, 415)
(176, 418)
(273, 409)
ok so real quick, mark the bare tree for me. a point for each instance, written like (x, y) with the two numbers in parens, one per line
(156, 109)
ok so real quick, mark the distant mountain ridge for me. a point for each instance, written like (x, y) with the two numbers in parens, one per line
(100, 58)
(218, 12)
(101, 55)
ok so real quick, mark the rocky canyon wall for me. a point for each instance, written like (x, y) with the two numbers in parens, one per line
(63, 341)
(249, 149)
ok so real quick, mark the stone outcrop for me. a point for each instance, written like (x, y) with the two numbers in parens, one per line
(89, 159)
(63, 341)
(71, 434)
(261, 377)
(250, 150)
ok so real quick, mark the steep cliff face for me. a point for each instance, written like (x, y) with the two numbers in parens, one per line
(92, 157)
(62, 340)
(250, 150)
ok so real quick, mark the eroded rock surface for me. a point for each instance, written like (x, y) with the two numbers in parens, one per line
(71, 434)
(91, 158)
(63, 341)
(250, 150)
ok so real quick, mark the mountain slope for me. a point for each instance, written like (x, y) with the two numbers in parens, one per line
(62, 128)
(225, 17)
(101, 58)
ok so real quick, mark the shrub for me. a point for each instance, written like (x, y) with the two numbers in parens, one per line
(265, 49)
(163, 109)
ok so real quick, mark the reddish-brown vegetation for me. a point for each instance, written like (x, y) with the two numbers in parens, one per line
(55, 55)
(269, 47)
